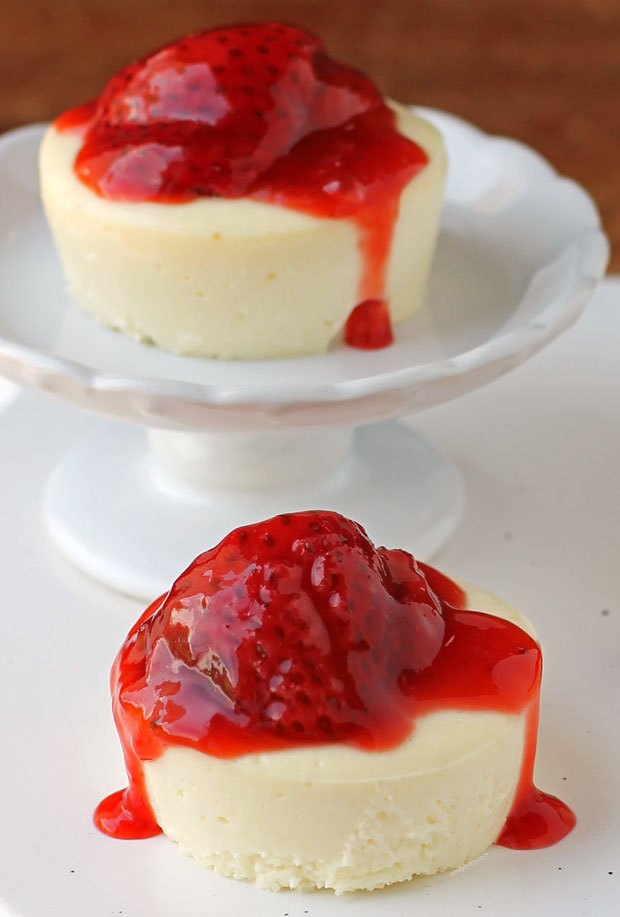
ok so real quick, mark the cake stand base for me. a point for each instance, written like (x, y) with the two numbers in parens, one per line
(133, 510)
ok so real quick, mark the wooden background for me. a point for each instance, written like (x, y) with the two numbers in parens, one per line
(544, 71)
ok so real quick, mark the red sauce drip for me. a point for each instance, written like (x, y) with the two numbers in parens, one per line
(369, 327)
(298, 631)
(255, 110)
(536, 819)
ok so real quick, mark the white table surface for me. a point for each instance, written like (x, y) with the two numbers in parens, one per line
(540, 452)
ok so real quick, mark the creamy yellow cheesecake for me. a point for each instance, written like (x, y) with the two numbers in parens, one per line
(267, 273)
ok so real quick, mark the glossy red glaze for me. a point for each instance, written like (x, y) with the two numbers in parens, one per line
(536, 819)
(78, 118)
(369, 327)
(255, 110)
(298, 631)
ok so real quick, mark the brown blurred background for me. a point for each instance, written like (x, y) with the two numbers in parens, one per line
(544, 71)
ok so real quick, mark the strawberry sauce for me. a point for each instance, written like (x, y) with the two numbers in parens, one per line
(259, 111)
(298, 631)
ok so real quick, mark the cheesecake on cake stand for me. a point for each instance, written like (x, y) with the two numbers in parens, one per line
(196, 447)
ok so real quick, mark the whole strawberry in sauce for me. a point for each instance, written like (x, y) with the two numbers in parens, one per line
(293, 630)
(211, 113)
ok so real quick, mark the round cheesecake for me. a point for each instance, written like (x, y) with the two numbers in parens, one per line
(342, 818)
(259, 274)
(305, 710)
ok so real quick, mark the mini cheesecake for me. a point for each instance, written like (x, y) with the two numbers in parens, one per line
(303, 710)
(330, 230)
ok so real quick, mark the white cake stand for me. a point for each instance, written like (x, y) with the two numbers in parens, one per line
(227, 443)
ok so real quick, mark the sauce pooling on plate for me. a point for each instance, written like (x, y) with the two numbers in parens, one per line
(297, 631)
(259, 111)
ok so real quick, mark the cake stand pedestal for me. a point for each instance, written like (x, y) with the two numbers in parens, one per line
(134, 510)
(520, 251)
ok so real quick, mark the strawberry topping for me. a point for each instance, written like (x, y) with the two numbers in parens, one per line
(293, 630)
(215, 112)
